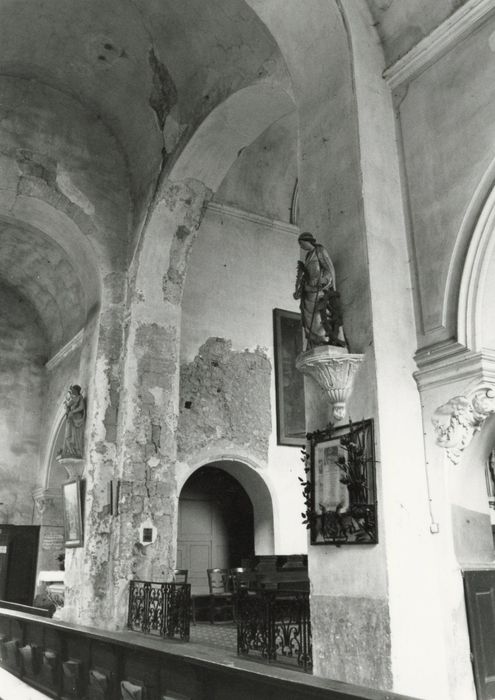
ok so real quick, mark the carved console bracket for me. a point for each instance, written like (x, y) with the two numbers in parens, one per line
(45, 498)
(459, 419)
(73, 466)
(334, 369)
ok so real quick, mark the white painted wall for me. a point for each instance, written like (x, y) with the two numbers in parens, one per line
(241, 268)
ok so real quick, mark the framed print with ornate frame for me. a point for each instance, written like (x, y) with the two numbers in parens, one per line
(342, 506)
(73, 527)
(289, 382)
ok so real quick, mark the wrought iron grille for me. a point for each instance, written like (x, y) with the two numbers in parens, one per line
(160, 608)
(275, 625)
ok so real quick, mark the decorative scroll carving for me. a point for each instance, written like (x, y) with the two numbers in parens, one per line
(459, 419)
(334, 370)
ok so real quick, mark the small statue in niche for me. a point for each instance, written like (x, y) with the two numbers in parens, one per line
(75, 414)
(321, 309)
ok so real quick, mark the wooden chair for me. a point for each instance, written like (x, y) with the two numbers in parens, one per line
(221, 597)
(180, 575)
(242, 578)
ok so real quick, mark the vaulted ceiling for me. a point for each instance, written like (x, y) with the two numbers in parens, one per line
(97, 96)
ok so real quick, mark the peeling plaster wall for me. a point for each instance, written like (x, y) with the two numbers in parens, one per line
(252, 264)
(22, 385)
(225, 401)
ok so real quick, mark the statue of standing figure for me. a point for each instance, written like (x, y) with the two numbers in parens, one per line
(321, 308)
(75, 414)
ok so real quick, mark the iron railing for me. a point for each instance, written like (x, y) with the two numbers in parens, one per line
(276, 626)
(160, 608)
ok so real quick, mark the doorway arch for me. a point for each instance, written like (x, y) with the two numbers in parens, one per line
(225, 518)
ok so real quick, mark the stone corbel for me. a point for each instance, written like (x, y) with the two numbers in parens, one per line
(44, 498)
(334, 370)
(460, 418)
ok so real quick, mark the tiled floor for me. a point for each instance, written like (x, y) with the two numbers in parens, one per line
(223, 635)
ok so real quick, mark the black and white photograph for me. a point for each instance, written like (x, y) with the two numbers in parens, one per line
(247, 349)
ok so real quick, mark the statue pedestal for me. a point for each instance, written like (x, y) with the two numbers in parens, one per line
(334, 369)
(73, 466)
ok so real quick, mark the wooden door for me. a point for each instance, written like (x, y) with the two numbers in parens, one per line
(202, 541)
(479, 589)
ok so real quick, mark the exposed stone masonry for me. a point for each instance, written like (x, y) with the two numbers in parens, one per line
(225, 400)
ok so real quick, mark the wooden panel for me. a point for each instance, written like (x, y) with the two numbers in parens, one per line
(199, 560)
(480, 600)
(172, 671)
(202, 541)
(195, 519)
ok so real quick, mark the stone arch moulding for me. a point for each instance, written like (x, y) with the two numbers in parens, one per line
(457, 421)
(57, 427)
(469, 266)
(257, 487)
(199, 170)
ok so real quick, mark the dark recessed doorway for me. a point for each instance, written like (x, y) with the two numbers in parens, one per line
(216, 525)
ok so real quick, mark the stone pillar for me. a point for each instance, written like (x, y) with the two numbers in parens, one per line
(88, 581)
(457, 397)
(149, 410)
(371, 604)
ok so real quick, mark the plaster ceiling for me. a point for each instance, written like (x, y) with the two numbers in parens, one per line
(40, 271)
(149, 68)
(401, 24)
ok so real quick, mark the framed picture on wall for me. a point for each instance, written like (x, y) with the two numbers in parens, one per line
(289, 382)
(73, 527)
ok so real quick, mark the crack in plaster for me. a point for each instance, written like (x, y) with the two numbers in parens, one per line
(164, 92)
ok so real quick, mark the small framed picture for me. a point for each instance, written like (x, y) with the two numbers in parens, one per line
(73, 523)
(289, 382)
(343, 485)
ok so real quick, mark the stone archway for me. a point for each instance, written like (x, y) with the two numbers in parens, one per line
(247, 473)
(216, 524)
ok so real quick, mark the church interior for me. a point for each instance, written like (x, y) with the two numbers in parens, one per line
(160, 407)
